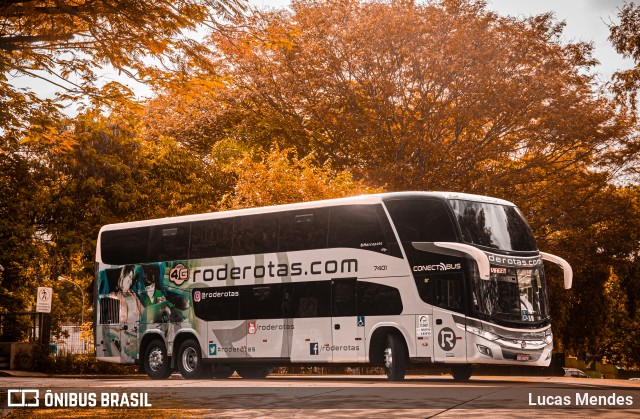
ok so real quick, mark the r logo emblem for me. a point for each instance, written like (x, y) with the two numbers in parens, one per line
(446, 339)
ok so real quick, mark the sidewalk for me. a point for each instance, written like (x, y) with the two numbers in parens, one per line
(34, 374)
(17, 373)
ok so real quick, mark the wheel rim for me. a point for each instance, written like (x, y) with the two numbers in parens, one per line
(189, 359)
(388, 358)
(155, 359)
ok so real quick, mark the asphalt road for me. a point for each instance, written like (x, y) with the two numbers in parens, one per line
(323, 396)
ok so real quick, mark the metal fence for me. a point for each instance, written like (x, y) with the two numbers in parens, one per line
(74, 339)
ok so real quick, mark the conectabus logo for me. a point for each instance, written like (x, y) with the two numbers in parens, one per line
(439, 267)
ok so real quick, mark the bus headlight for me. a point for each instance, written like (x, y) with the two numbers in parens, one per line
(548, 336)
(482, 333)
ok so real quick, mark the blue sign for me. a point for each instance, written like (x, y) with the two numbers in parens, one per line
(213, 349)
(360, 321)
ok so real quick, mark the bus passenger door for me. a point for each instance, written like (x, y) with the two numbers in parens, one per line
(347, 328)
(449, 334)
(308, 311)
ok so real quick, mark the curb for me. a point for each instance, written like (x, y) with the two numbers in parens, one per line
(34, 374)
(18, 373)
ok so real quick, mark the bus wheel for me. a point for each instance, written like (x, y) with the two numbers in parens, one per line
(395, 358)
(221, 371)
(190, 362)
(462, 372)
(253, 371)
(156, 361)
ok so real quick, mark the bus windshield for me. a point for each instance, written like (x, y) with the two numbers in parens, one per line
(512, 295)
(494, 226)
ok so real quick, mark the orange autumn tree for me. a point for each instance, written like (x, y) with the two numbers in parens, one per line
(444, 95)
(414, 95)
(281, 177)
(66, 45)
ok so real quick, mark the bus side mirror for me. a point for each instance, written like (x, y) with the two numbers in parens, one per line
(566, 268)
(456, 249)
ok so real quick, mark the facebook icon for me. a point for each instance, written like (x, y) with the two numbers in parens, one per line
(313, 348)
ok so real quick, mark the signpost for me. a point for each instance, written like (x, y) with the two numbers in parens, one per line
(43, 299)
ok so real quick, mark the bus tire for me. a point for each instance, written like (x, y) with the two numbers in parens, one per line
(190, 362)
(221, 371)
(156, 361)
(461, 372)
(395, 358)
(253, 371)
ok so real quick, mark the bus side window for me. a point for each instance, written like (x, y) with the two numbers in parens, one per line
(358, 227)
(421, 220)
(425, 285)
(387, 230)
(255, 234)
(449, 293)
(169, 242)
(307, 299)
(378, 300)
(124, 247)
(303, 230)
(261, 302)
(211, 238)
(225, 305)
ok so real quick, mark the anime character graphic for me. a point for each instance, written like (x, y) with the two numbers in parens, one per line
(157, 309)
(132, 299)
(130, 306)
(152, 293)
(163, 306)
(130, 309)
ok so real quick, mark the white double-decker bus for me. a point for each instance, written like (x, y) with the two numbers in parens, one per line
(389, 279)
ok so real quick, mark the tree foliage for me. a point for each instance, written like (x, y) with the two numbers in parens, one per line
(625, 40)
(281, 177)
(438, 96)
(412, 96)
(68, 44)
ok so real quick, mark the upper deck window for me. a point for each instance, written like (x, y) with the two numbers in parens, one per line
(494, 226)
(303, 230)
(255, 234)
(211, 238)
(128, 246)
(421, 220)
(357, 226)
(169, 242)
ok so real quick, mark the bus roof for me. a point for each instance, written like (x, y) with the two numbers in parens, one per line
(361, 199)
